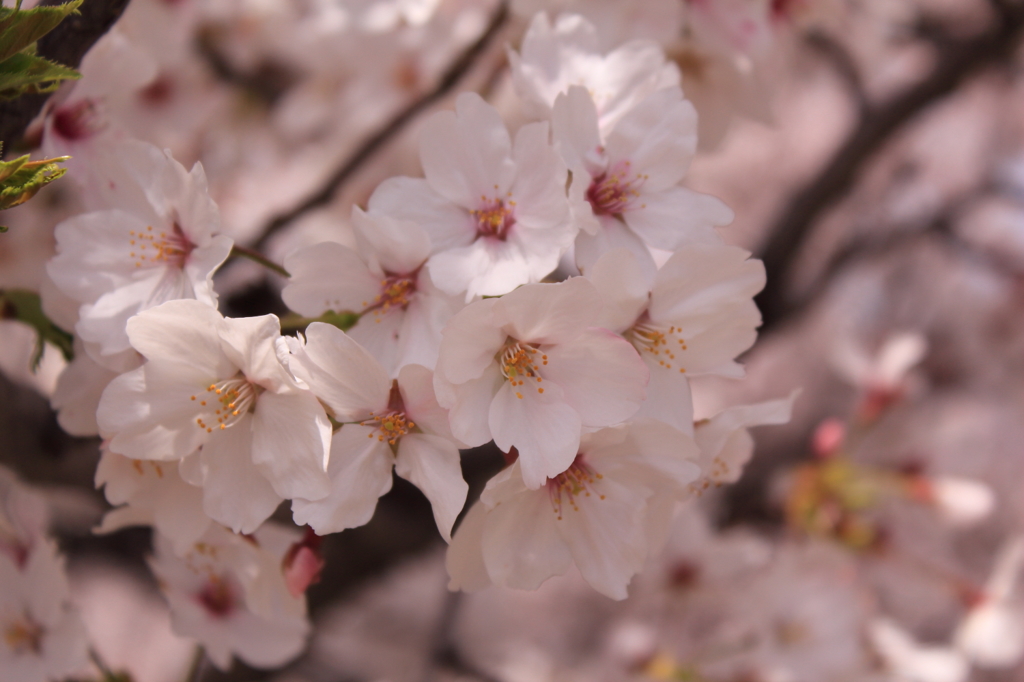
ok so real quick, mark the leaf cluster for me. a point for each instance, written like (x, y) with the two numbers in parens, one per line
(22, 71)
(20, 179)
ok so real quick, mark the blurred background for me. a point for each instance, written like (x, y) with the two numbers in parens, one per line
(873, 151)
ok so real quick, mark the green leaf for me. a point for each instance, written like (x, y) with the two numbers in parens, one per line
(26, 73)
(21, 28)
(20, 178)
(24, 306)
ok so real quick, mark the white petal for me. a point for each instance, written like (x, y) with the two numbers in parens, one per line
(360, 471)
(677, 216)
(184, 332)
(235, 492)
(657, 137)
(416, 384)
(613, 235)
(465, 559)
(342, 373)
(550, 313)
(469, 342)
(668, 397)
(575, 133)
(399, 246)
(328, 276)
(290, 440)
(469, 412)
(624, 286)
(601, 374)
(467, 153)
(251, 345)
(521, 545)
(431, 463)
(544, 429)
(413, 200)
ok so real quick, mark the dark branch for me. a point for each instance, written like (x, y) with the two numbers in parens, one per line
(67, 45)
(842, 63)
(365, 152)
(956, 62)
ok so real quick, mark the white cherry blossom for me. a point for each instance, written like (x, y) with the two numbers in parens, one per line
(42, 636)
(214, 391)
(388, 425)
(606, 513)
(156, 242)
(625, 189)
(991, 635)
(909, 661)
(725, 443)
(228, 591)
(402, 312)
(531, 369)
(495, 210)
(692, 318)
(151, 493)
(553, 58)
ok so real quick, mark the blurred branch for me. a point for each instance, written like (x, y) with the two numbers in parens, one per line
(67, 45)
(459, 68)
(957, 61)
(842, 63)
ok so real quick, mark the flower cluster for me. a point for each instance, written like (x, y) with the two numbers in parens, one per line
(552, 289)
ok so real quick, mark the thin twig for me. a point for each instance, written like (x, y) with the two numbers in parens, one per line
(459, 68)
(956, 62)
(257, 257)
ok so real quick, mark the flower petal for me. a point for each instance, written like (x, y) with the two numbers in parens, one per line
(431, 463)
(291, 438)
(328, 276)
(521, 545)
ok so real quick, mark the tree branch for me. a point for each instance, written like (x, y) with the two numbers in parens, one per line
(365, 152)
(67, 45)
(956, 62)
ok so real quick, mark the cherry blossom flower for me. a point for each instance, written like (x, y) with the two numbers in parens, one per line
(43, 637)
(553, 58)
(909, 661)
(495, 210)
(725, 444)
(531, 369)
(402, 312)
(156, 243)
(388, 425)
(215, 385)
(991, 635)
(607, 513)
(692, 318)
(884, 376)
(625, 187)
(79, 387)
(152, 493)
(229, 592)
(23, 519)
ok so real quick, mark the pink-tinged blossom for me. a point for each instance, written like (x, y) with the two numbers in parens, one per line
(402, 312)
(691, 318)
(214, 393)
(151, 493)
(156, 243)
(23, 519)
(41, 636)
(991, 635)
(625, 181)
(531, 369)
(495, 210)
(606, 513)
(80, 385)
(725, 443)
(387, 425)
(554, 58)
(229, 592)
(906, 660)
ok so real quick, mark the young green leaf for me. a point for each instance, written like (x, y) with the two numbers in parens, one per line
(20, 28)
(24, 306)
(26, 73)
(20, 179)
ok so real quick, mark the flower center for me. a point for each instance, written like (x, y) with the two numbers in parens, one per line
(518, 362)
(569, 486)
(217, 597)
(171, 249)
(391, 424)
(24, 635)
(395, 292)
(612, 192)
(226, 402)
(660, 342)
(495, 219)
(77, 120)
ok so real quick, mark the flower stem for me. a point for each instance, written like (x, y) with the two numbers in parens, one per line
(257, 257)
(344, 321)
